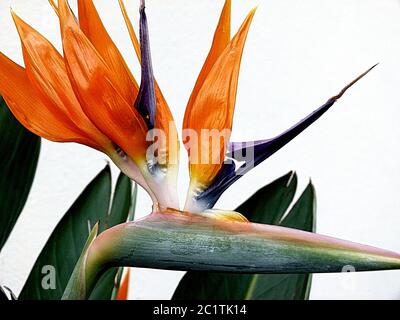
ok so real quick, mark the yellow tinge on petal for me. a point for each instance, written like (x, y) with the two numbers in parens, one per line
(223, 215)
(210, 109)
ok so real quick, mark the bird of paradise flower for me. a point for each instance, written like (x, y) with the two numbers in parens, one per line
(88, 95)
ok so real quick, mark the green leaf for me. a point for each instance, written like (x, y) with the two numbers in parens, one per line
(268, 206)
(270, 203)
(77, 282)
(118, 277)
(121, 209)
(19, 150)
(288, 286)
(67, 241)
(121, 205)
(303, 217)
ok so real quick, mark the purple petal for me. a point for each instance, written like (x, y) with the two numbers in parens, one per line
(252, 153)
(146, 100)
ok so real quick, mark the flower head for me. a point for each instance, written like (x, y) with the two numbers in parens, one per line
(88, 95)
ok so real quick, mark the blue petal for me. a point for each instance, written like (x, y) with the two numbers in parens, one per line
(259, 151)
(146, 100)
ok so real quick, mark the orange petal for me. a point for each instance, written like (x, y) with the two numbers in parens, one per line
(124, 287)
(165, 122)
(131, 30)
(46, 71)
(54, 6)
(31, 112)
(213, 108)
(92, 26)
(222, 36)
(94, 84)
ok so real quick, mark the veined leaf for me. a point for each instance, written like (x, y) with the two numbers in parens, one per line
(67, 241)
(19, 154)
(267, 206)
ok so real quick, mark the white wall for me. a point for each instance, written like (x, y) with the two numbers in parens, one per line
(298, 54)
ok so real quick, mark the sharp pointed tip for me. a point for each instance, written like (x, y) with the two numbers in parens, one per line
(374, 65)
(19, 23)
(95, 230)
(13, 13)
(368, 70)
(291, 174)
(253, 11)
(342, 92)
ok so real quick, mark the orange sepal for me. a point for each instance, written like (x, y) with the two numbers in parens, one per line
(94, 85)
(213, 109)
(54, 6)
(24, 102)
(92, 26)
(46, 71)
(221, 39)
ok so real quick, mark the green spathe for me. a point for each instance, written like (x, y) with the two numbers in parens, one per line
(182, 241)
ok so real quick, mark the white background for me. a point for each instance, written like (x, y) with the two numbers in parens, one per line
(298, 54)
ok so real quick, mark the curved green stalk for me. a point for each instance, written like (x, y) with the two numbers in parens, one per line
(179, 241)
